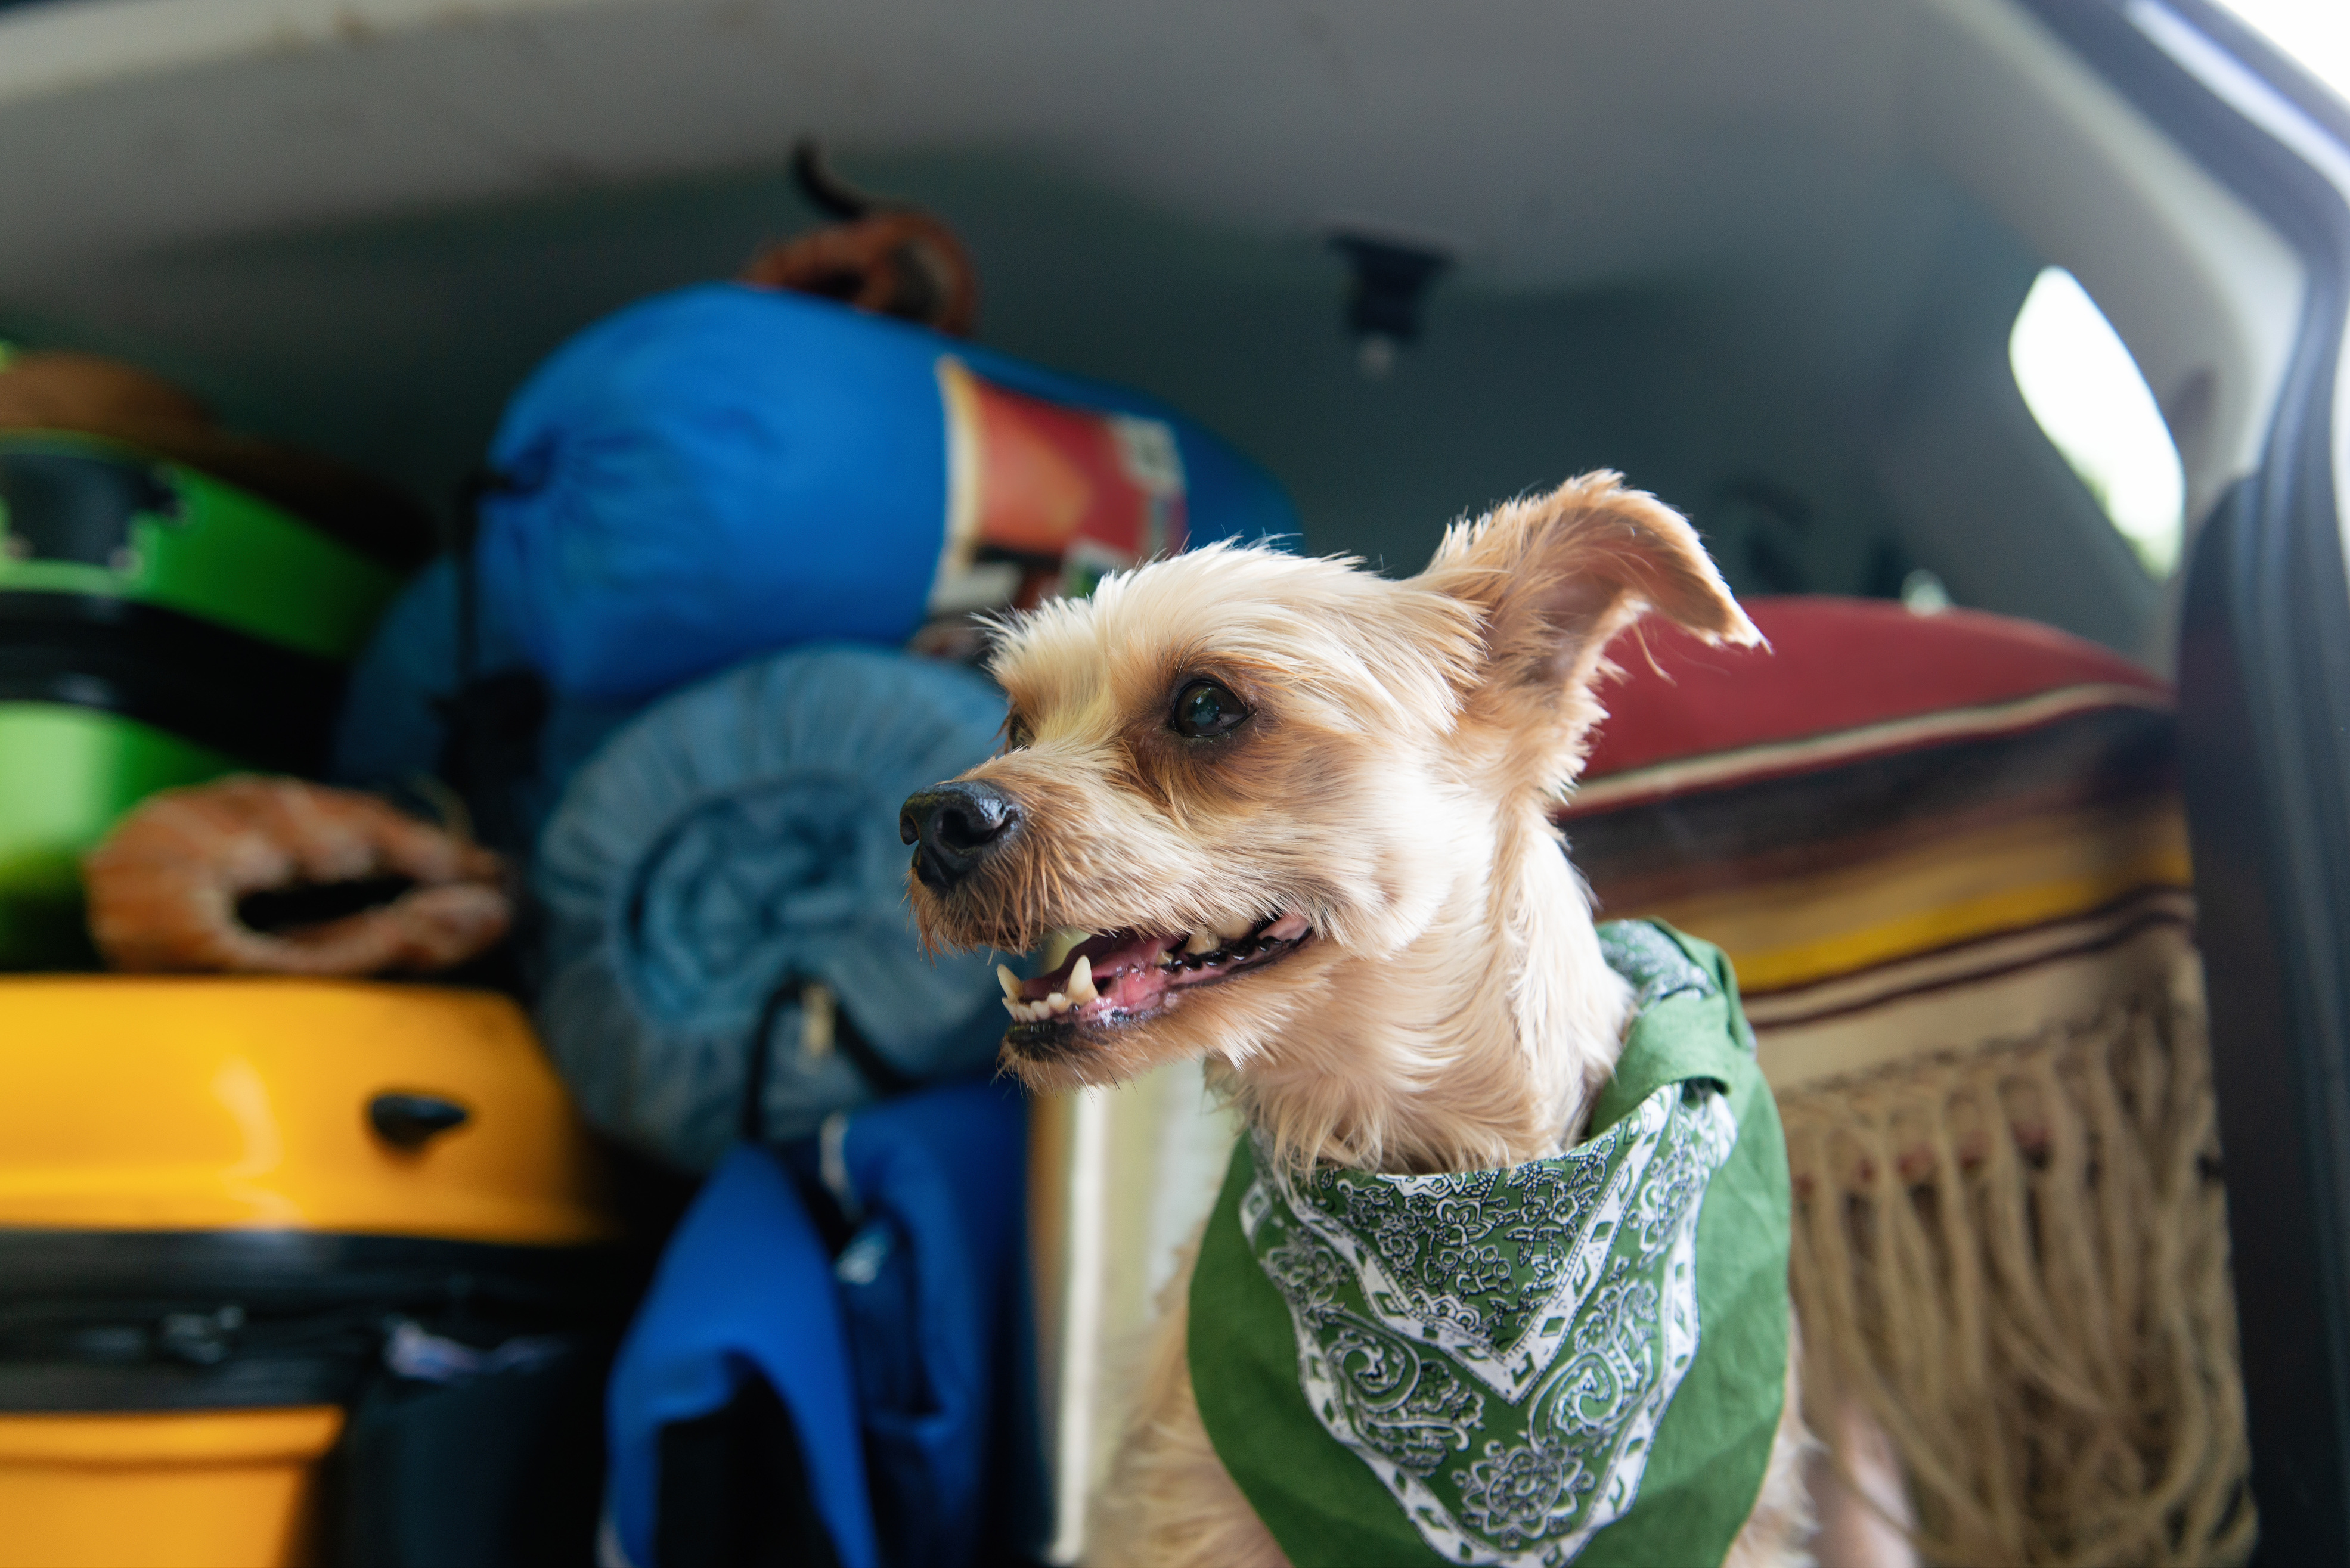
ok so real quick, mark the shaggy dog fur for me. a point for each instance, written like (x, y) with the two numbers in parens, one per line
(1393, 966)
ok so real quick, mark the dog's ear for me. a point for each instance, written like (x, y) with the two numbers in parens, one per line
(1555, 577)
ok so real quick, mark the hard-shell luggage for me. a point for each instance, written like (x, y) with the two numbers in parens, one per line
(157, 626)
(244, 1221)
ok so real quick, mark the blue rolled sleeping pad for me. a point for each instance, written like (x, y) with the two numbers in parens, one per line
(733, 844)
(725, 469)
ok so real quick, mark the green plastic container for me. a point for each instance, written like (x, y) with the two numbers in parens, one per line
(157, 627)
(66, 773)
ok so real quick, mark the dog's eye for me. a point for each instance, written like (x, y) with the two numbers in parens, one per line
(1016, 735)
(1204, 709)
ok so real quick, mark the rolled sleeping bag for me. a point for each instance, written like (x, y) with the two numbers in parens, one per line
(727, 470)
(730, 848)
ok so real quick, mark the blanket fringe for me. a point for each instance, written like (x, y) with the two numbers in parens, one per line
(2016, 1259)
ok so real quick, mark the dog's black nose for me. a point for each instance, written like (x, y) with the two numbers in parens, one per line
(957, 826)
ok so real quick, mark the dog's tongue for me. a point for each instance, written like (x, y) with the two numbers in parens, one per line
(1112, 954)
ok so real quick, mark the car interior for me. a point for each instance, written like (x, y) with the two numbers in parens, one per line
(1770, 261)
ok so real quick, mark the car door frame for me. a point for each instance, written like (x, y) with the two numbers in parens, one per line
(2264, 740)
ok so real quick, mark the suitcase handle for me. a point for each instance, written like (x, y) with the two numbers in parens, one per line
(412, 1121)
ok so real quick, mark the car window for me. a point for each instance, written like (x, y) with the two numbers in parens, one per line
(2090, 399)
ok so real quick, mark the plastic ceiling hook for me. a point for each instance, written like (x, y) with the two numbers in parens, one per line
(1390, 284)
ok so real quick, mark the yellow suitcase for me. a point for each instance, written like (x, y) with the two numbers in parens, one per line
(216, 1196)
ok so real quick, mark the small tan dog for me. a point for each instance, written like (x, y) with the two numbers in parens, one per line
(1305, 810)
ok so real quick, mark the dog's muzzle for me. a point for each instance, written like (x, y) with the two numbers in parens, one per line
(955, 827)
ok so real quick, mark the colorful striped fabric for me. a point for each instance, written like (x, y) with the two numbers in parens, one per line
(1901, 828)
(1947, 859)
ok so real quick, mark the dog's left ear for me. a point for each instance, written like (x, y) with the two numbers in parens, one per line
(1555, 577)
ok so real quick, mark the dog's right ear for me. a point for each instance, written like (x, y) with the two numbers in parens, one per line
(1554, 578)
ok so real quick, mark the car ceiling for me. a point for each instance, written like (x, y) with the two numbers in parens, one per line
(1554, 143)
(1723, 244)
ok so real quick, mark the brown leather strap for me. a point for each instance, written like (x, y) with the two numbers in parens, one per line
(900, 263)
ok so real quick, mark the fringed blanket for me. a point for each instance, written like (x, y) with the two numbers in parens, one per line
(1948, 859)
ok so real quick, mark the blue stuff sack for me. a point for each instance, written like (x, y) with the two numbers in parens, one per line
(394, 726)
(727, 470)
(733, 844)
(905, 1361)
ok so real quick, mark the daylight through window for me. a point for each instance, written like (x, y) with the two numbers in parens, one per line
(2082, 385)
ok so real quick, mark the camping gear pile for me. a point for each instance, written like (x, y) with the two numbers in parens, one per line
(261, 1237)
(341, 1260)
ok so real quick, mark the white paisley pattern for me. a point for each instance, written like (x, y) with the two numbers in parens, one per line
(1499, 1345)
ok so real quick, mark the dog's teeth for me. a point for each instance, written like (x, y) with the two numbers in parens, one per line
(1229, 934)
(1082, 989)
(1200, 941)
(1019, 1010)
(1056, 1003)
(1010, 981)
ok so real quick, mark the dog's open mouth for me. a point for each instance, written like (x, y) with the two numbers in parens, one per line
(1124, 977)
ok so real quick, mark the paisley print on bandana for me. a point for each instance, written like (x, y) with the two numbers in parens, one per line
(1499, 1345)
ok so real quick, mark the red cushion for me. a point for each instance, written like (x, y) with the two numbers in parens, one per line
(1833, 665)
(1879, 786)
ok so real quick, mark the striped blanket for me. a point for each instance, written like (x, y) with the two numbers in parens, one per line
(1948, 858)
(1888, 815)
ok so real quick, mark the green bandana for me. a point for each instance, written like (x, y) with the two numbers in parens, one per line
(1510, 1361)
